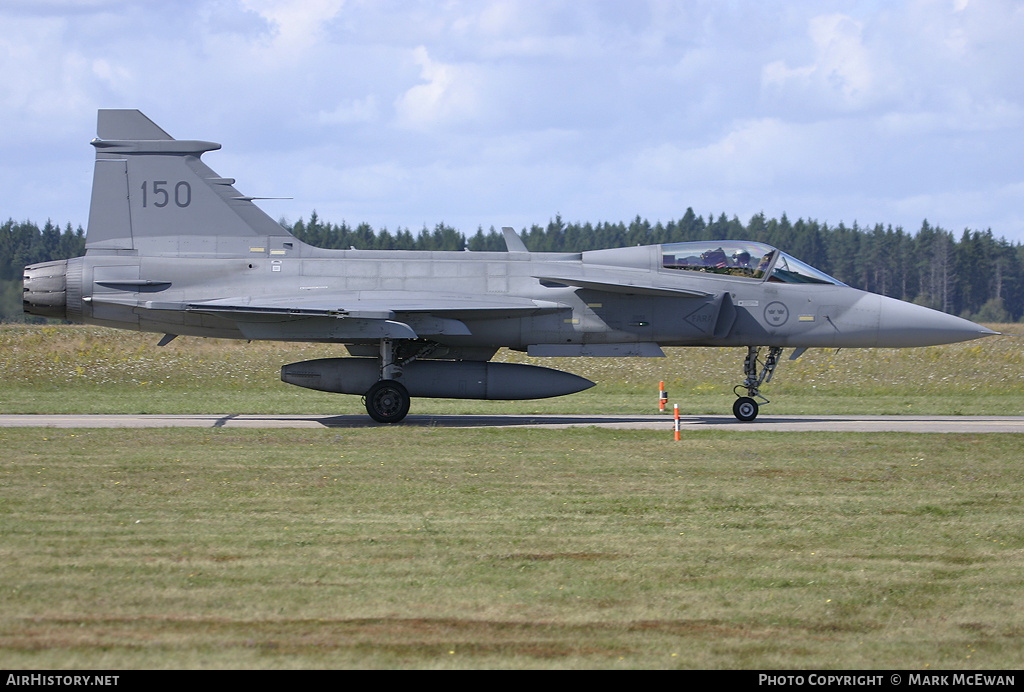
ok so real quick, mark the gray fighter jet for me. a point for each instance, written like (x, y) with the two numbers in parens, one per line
(174, 248)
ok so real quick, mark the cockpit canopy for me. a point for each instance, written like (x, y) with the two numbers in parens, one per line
(744, 259)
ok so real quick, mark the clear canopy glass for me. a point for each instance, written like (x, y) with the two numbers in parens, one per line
(744, 259)
(790, 270)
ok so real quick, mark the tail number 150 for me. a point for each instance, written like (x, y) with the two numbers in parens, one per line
(158, 193)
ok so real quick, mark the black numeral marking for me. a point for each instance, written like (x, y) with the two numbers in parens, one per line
(162, 196)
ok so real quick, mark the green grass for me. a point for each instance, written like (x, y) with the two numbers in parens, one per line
(505, 548)
(437, 548)
(76, 369)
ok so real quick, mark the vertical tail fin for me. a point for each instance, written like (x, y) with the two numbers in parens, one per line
(152, 195)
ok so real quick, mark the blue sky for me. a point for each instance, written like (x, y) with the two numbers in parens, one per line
(405, 113)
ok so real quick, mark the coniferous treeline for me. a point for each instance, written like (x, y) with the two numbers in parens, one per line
(975, 275)
(25, 243)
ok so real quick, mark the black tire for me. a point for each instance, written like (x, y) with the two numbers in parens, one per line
(745, 409)
(387, 401)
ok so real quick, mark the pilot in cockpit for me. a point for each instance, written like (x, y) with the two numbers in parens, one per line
(741, 258)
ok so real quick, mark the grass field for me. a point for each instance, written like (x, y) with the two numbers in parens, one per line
(412, 547)
(78, 369)
(501, 548)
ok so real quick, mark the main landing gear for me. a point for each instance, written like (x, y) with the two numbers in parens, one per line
(746, 407)
(387, 401)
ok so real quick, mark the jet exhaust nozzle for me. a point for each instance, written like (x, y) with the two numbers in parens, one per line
(53, 289)
(44, 291)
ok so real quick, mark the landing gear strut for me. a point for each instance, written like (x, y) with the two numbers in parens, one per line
(387, 401)
(746, 407)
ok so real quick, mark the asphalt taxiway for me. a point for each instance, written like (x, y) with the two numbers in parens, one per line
(863, 424)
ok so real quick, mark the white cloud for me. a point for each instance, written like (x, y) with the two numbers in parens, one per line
(841, 77)
(298, 24)
(450, 95)
(403, 111)
(351, 111)
(753, 156)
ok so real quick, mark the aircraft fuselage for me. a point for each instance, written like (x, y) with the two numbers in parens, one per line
(173, 248)
(165, 295)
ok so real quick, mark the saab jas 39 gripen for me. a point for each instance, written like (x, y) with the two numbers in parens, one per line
(172, 247)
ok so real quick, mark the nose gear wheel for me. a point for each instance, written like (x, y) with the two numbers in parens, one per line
(756, 374)
(745, 409)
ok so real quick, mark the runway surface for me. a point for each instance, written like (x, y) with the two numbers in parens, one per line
(864, 424)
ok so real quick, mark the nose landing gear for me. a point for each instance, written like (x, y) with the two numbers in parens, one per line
(746, 407)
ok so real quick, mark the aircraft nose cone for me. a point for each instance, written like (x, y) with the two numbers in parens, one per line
(905, 324)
